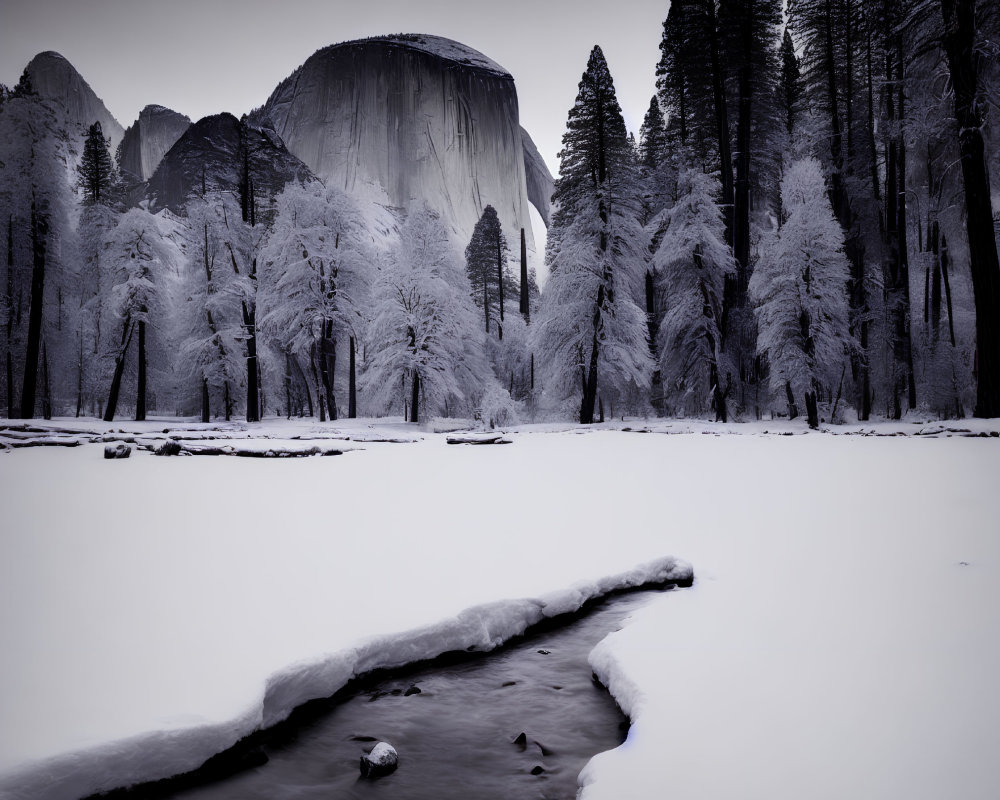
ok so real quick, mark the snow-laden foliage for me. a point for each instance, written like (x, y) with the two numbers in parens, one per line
(691, 264)
(590, 331)
(799, 291)
(424, 326)
(316, 263)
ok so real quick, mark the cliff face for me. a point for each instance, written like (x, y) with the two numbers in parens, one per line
(211, 150)
(427, 119)
(148, 139)
(53, 77)
(540, 180)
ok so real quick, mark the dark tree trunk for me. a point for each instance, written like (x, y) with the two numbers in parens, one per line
(721, 117)
(812, 410)
(46, 386)
(140, 392)
(656, 383)
(415, 398)
(590, 386)
(253, 398)
(228, 401)
(39, 231)
(327, 367)
(11, 411)
(500, 288)
(963, 61)
(741, 198)
(793, 410)
(205, 409)
(116, 380)
(352, 390)
(525, 304)
(947, 287)
(10, 316)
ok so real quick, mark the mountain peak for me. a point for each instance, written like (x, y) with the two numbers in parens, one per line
(55, 78)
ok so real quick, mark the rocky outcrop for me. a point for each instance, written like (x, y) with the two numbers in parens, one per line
(148, 139)
(54, 78)
(210, 150)
(424, 119)
(540, 181)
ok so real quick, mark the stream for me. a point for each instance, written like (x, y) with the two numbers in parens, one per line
(456, 726)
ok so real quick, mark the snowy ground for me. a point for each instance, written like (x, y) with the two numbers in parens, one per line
(841, 638)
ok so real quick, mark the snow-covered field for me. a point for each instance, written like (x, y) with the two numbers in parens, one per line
(842, 637)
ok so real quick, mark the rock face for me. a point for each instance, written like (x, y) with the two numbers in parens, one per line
(382, 760)
(148, 139)
(211, 149)
(540, 181)
(53, 77)
(426, 119)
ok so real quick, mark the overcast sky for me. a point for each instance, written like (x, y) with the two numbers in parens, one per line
(201, 57)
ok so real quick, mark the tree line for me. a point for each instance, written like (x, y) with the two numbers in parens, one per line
(804, 226)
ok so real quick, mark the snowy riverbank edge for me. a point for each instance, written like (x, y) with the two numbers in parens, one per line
(162, 754)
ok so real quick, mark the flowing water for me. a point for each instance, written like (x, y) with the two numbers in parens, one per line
(457, 727)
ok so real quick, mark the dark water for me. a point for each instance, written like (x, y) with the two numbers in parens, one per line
(456, 738)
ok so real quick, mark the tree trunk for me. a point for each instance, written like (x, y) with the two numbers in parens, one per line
(39, 231)
(812, 410)
(228, 401)
(205, 409)
(327, 365)
(116, 379)
(253, 398)
(525, 304)
(415, 398)
(721, 118)
(11, 412)
(10, 316)
(793, 410)
(352, 391)
(963, 61)
(500, 288)
(46, 386)
(140, 392)
(590, 385)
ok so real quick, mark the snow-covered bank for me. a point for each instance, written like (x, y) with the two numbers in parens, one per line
(834, 639)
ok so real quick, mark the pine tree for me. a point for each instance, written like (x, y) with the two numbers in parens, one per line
(692, 264)
(486, 267)
(791, 79)
(590, 328)
(137, 256)
(98, 180)
(965, 64)
(799, 293)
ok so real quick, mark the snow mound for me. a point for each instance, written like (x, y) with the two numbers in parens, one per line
(168, 752)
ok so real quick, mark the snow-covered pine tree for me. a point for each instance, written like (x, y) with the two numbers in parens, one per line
(692, 263)
(314, 285)
(424, 333)
(208, 325)
(799, 293)
(486, 266)
(97, 181)
(590, 331)
(137, 253)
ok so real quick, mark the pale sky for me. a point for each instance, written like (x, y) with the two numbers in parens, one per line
(200, 57)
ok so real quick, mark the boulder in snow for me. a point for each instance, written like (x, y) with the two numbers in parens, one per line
(120, 450)
(382, 760)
